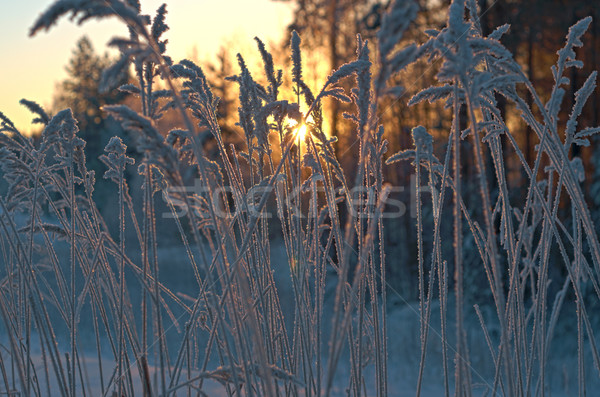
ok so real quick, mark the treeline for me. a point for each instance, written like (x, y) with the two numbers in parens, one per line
(329, 29)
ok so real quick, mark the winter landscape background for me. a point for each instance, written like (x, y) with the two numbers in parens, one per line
(387, 198)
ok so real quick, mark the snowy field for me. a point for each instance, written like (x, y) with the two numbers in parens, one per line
(403, 344)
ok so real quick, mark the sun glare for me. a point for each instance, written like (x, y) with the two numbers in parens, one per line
(299, 131)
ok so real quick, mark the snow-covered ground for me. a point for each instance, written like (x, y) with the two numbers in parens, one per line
(403, 342)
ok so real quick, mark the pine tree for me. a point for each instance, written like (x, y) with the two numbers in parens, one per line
(80, 92)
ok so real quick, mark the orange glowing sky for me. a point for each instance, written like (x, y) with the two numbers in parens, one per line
(31, 66)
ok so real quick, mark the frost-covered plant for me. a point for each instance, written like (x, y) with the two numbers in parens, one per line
(245, 324)
(514, 240)
(235, 328)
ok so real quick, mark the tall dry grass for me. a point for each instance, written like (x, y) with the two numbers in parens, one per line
(73, 289)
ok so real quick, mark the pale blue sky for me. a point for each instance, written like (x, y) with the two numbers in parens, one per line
(31, 66)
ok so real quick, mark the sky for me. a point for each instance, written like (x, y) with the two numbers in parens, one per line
(30, 67)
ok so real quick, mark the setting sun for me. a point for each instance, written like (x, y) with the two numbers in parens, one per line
(301, 132)
(298, 131)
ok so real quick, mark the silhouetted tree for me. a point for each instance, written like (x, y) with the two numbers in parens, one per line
(80, 92)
